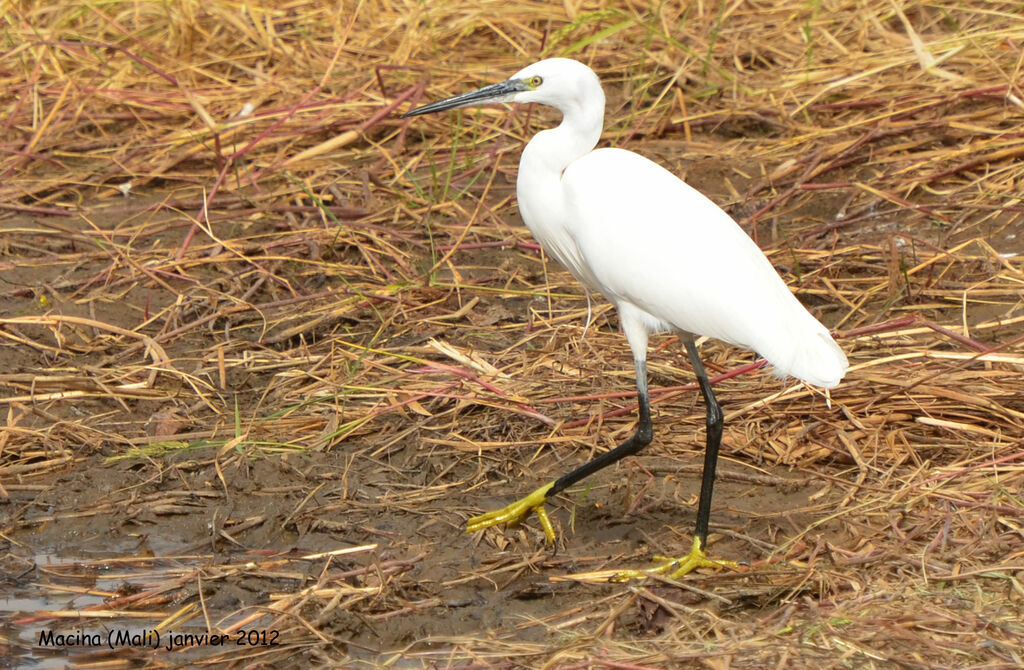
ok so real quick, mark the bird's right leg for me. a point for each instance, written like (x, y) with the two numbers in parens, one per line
(519, 510)
(697, 558)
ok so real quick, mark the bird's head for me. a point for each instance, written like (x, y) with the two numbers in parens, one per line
(559, 82)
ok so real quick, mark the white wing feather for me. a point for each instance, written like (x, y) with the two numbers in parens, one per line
(642, 236)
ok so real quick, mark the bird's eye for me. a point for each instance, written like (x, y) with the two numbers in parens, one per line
(536, 81)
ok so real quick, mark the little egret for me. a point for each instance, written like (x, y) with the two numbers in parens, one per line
(664, 254)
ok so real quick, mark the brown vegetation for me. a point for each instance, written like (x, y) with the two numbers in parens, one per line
(264, 346)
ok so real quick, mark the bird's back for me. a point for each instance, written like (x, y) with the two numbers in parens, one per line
(648, 239)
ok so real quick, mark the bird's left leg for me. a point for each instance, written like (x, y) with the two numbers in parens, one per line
(534, 502)
(697, 558)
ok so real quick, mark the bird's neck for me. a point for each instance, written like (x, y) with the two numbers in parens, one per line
(551, 151)
(545, 158)
(542, 199)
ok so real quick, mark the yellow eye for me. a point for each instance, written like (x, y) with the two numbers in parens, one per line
(536, 81)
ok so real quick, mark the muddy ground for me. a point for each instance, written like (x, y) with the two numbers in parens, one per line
(207, 503)
(400, 492)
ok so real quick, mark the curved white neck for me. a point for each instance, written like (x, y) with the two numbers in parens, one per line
(551, 151)
(542, 200)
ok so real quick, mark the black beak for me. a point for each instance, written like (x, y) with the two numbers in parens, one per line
(502, 92)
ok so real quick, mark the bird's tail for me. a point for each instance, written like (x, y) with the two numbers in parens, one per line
(812, 355)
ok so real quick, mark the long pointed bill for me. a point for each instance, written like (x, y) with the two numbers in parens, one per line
(502, 92)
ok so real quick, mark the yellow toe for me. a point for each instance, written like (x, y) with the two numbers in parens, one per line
(675, 568)
(516, 513)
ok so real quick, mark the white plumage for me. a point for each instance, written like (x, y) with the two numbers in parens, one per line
(632, 230)
(667, 256)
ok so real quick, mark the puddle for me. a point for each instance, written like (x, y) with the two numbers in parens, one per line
(50, 616)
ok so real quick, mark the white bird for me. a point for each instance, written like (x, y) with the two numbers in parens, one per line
(668, 258)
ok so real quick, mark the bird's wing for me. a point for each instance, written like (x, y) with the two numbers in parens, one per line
(650, 240)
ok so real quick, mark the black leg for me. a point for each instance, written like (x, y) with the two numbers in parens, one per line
(714, 441)
(640, 439)
(674, 568)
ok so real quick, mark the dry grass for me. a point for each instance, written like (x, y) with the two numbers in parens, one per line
(314, 337)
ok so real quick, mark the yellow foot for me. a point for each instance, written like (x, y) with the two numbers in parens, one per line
(517, 512)
(675, 568)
